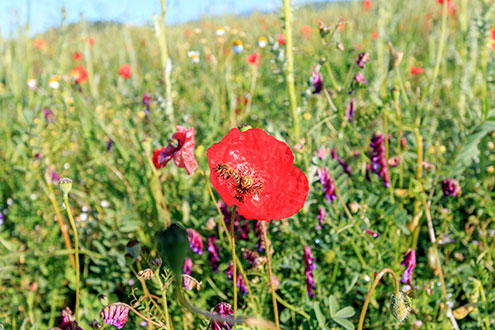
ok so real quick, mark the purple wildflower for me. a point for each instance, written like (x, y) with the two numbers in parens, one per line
(450, 187)
(146, 102)
(328, 186)
(227, 214)
(349, 115)
(344, 165)
(261, 242)
(409, 262)
(109, 144)
(253, 258)
(317, 81)
(67, 321)
(321, 217)
(54, 175)
(241, 283)
(359, 78)
(362, 59)
(48, 115)
(379, 163)
(223, 309)
(115, 314)
(310, 266)
(372, 233)
(1, 219)
(195, 241)
(186, 269)
(213, 250)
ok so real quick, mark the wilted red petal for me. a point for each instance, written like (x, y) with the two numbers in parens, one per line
(284, 186)
(181, 149)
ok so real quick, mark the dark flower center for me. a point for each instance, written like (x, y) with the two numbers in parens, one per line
(245, 182)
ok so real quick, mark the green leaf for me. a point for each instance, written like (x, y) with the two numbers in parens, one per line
(285, 315)
(319, 315)
(345, 312)
(333, 305)
(345, 323)
(469, 149)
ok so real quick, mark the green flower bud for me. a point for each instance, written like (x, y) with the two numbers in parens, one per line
(244, 127)
(65, 184)
(399, 306)
(173, 245)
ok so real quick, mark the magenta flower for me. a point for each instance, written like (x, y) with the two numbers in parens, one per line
(372, 233)
(67, 321)
(378, 161)
(310, 266)
(362, 59)
(321, 217)
(328, 186)
(109, 144)
(349, 114)
(359, 78)
(115, 314)
(409, 262)
(213, 251)
(146, 102)
(195, 241)
(223, 309)
(241, 283)
(48, 115)
(317, 81)
(450, 187)
(344, 165)
(243, 229)
(186, 269)
(180, 148)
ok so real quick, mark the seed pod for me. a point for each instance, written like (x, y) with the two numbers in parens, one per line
(65, 185)
(399, 306)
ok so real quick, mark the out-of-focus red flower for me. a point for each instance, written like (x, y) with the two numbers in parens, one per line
(493, 38)
(39, 43)
(180, 148)
(79, 73)
(374, 35)
(77, 56)
(306, 31)
(91, 41)
(254, 59)
(441, 1)
(188, 33)
(341, 27)
(281, 39)
(367, 4)
(256, 172)
(125, 71)
(415, 70)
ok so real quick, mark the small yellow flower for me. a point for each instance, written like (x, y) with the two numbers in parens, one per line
(199, 151)
(141, 114)
(431, 150)
(490, 169)
(235, 31)
(307, 116)
(442, 149)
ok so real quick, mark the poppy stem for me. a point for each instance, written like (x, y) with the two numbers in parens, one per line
(270, 273)
(234, 264)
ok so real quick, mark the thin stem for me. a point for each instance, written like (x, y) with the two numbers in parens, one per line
(442, 42)
(253, 85)
(234, 264)
(385, 124)
(270, 273)
(76, 248)
(399, 137)
(290, 67)
(378, 277)
(163, 290)
(292, 308)
(158, 324)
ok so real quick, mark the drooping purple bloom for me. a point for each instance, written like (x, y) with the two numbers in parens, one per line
(359, 78)
(362, 59)
(214, 251)
(310, 266)
(409, 262)
(349, 114)
(317, 81)
(223, 309)
(450, 187)
(328, 185)
(243, 229)
(372, 233)
(147, 102)
(321, 217)
(344, 165)
(115, 314)
(378, 159)
(241, 283)
(109, 144)
(49, 117)
(186, 269)
(195, 241)
(67, 321)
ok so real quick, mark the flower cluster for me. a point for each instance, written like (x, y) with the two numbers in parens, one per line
(362, 59)
(241, 229)
(223, 309)
(450, 187)
(67, 321)
(195, 241)
(254, 259)
(378, 159)
(327, 183)
(409, 262)
(115, 314)
(321, 217)
(317, 82)
(310, 266)
(213, 251)
(344, 165)
(240, 282)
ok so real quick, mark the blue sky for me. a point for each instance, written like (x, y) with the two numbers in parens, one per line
(46, 13)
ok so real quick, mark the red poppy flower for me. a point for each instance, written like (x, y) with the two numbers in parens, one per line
(306, 31)
(374, 35)
(91, 41)
(180, 148)
(253, 58)
(416, 70)
(125, 71)
(493, 38)
(256, 172)
(367, 4)
(77, 56)
(281, 38)
(79, 73)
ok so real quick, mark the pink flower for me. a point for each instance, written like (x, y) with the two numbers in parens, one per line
(115, 314)
(195, 241)
(409, 262)
(180, 148)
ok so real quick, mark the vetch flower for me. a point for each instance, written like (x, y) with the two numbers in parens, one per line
(344, 165)
(379, 163)
(213, 251)
(409, 262)
(261, 238)
(223, 309)
(237, 46)
(227, 214)
(187, 268)
(191, 283)
(125, 71)
(362, 59)
(147, 103)
(195, 241)
(180, 148)
(48, 115)
(67, 321)
(317, 82)
(254, 259)
(328, 185)
(115, 314)
(450, 187)
(310, 266)
(256, 172)
(109, 144)
(349, 114)
(262, 42)
(321, 217)
(359, 78)
(241, 283)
